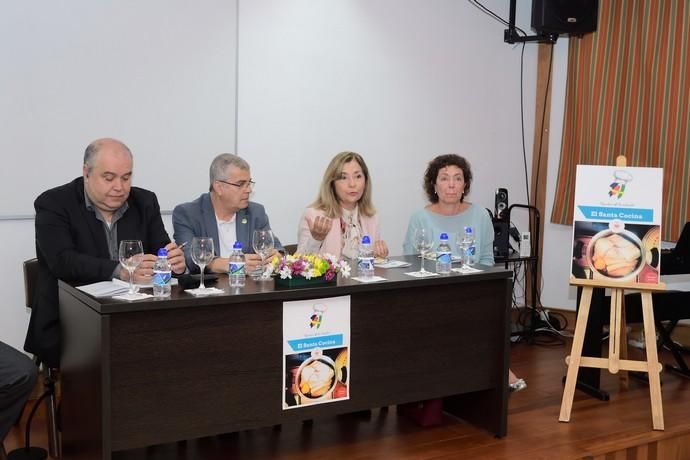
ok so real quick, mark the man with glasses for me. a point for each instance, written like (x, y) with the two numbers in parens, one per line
(224, 214)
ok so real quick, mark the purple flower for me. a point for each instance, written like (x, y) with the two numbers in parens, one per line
(298, 267)
(329, 275)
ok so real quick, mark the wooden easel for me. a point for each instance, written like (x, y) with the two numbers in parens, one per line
(615, 361)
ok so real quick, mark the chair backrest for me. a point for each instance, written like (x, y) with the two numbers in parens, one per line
(30, 280)
(290, 248)
(683, 243)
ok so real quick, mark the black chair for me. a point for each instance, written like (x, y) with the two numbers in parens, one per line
(290, 249)
(49, 380)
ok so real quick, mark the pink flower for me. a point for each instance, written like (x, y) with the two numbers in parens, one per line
(298, 267)
(329, 275)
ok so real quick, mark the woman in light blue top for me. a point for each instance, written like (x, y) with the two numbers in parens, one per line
(447, 182)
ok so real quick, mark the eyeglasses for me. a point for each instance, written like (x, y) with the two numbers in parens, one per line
(241, 184)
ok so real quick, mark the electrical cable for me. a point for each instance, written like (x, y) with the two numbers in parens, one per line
(487, 11)
(519, 269)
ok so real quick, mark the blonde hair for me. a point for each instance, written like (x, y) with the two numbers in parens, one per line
(327, 200)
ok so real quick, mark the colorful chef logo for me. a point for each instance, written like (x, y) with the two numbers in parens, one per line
(316, 318)
(617, 187)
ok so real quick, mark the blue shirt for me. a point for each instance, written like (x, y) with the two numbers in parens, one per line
(474, 216)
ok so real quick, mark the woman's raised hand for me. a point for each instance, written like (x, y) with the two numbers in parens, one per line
(319, 227)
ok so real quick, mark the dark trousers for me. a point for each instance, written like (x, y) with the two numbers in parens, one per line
(17, 379)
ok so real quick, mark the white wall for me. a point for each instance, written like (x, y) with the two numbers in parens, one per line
(158, 74)
(399, 81)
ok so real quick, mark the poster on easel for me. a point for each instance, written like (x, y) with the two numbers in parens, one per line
(617, 224)
(316, 350)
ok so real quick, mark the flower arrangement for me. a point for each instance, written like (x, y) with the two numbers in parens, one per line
(310, 266)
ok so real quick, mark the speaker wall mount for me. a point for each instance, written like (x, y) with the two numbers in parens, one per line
(553, 17)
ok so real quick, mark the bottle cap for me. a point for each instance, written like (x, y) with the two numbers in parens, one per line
(444, 236)
(237, 245)
(468, 229)
(366, 240)
(162, 252)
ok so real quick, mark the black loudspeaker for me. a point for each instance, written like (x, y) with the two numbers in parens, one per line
(501, 204)
(500, 238)
(574, 17)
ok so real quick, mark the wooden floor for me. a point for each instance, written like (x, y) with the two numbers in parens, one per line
(618, 429)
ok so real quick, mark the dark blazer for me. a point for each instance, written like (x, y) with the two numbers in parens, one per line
(197, 218)
(71, 246)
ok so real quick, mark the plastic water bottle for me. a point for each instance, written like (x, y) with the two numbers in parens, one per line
(443, 255)
(236, 266)
(365, 261)
(162, 275)
(469, 247)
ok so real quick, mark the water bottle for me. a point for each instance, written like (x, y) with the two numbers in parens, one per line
(443, 255)
(162, 275)
(469, 247)
(365, 261)
(236, 266)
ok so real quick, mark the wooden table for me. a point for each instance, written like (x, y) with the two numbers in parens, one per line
(155, 371)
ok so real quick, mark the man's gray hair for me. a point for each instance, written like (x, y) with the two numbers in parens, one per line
(221, 163)
(93, 148)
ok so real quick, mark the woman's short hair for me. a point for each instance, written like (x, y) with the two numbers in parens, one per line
(441, 162)
(327, 200)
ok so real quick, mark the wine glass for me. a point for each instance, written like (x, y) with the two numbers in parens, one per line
(202, 254)
(263, 244)
(131, 253)
(422, 242)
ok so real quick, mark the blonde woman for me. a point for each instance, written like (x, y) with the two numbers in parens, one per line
(343, 211)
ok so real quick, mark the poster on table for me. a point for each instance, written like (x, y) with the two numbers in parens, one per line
(617, 224)
(316, 349)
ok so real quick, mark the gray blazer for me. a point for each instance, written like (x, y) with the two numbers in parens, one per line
(197, 218)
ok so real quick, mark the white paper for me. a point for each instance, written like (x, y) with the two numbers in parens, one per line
(149, 285)
(391, 264)
(130, 297)
(465, 269)
(198, 292)
(426, 274)
(371, 279)
(103, 289)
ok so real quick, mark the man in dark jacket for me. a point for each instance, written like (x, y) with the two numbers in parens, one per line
(79, 226)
